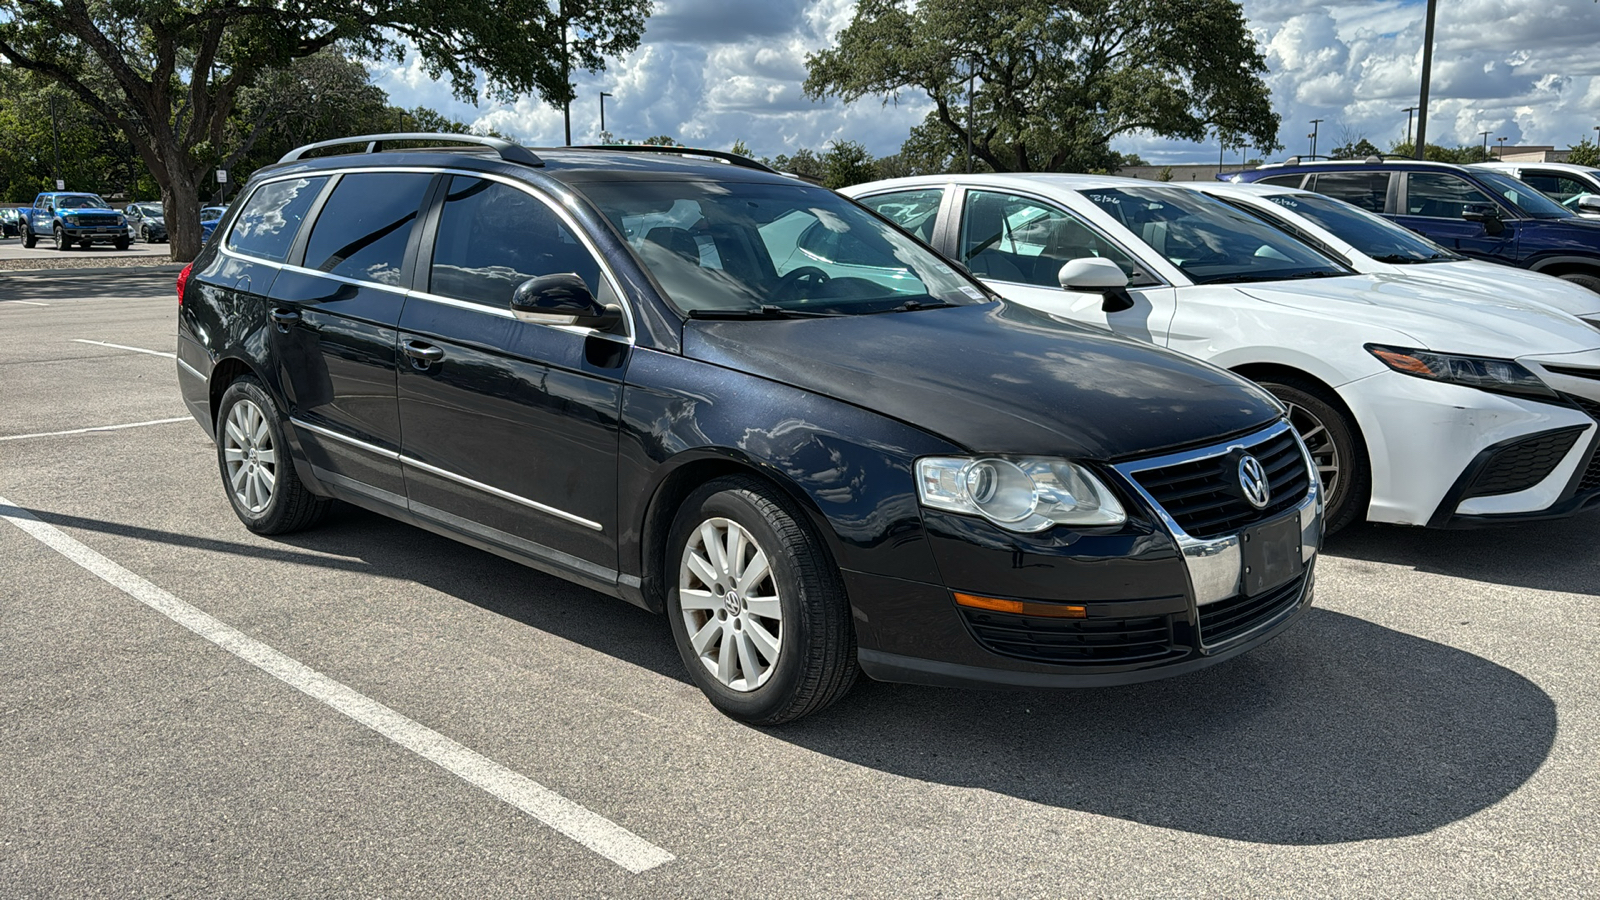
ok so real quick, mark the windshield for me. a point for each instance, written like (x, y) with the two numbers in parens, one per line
(1209, 241)
(1530, 201)
(1370, 234)
(211, 214)
(150, 209)
(730, 247)
(80, 201)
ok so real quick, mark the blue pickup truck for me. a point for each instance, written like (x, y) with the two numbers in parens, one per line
(72, 219)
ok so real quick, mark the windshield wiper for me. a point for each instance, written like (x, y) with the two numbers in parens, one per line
(1401, 260)
(760, 312)
(911, 305)
(1314, 275)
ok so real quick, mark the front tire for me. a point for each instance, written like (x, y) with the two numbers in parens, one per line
(62, 243)
(122, 243)
(1336, 448)
(757, 607)
(29, 239)
(1589, 281)
(257, 473)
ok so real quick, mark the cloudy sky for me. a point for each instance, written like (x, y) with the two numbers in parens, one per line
(710, 72)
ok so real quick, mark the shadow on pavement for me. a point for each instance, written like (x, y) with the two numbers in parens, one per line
(45, 285)
(1339, 730)
(1547, 556)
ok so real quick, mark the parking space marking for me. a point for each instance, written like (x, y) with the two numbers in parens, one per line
(572, 819)
(28, 302)
(126, 347)
(45, 434)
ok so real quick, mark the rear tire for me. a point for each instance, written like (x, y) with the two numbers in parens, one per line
(257, 471)
(1589, 281)
(742, 564)
(1336, 447)
(29, 241)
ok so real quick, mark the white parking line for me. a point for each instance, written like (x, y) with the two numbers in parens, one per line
(125, 347)
(28, 302)
(590, 829)
(43, 434)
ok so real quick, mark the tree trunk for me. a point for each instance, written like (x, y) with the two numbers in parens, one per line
(180, 196)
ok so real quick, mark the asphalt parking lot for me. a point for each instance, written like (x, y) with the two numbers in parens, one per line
(45, 253)
(187, 709)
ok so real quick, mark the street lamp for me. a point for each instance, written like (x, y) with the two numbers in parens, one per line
(1502, 142)
(1485, 136)
(1408, 111)
(1315, 126)
(603, 96)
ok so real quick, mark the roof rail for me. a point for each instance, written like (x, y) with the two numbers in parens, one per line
(508, 151)
(743, 162)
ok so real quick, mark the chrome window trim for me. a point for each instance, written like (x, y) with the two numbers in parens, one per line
(447, 474)
(560, 211)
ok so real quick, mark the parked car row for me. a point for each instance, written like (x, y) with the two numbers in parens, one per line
(81, 220)
(968, 452)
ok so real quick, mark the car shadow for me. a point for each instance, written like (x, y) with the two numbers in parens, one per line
(1548, 556)
(1339, 730)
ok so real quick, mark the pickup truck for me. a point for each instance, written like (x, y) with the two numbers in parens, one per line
(74, 219)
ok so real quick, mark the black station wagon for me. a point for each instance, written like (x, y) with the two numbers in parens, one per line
(712, 390)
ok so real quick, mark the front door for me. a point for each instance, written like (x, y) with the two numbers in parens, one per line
(1431, 205)
(510, 428)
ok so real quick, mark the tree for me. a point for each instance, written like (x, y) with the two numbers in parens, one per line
(1360, 148)
(1467, 153)
(661, 140)
(168, 74)
(739, 149)
(1165, 174)
(1584, 153)
(1055, 80)
(803, 163)
(847, 163)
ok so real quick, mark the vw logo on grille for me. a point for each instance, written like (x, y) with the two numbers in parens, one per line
(1253, 481)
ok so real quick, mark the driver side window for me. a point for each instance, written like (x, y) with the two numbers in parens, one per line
(492, 237)
(1441, 195)
(1005, 237)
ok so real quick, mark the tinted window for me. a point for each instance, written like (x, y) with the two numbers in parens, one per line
(915, 211)
(1556, 187)
(1373, 235)
(493, 237)
(80, 201)
(1011, 238)
(1368, 190)
(267, 225)
(1283, 180)
(1441, 195)
(1208, 240)
(1529, 201)
(362, 231)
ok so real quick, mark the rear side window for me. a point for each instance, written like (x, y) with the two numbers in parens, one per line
(362, 231)
(1368, 190)
(915, 211)
(493, 237)
(267, 224)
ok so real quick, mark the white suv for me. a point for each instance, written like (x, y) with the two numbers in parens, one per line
(1423, 404)
(1573, 186)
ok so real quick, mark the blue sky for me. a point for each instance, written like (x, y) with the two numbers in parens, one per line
(710, 72)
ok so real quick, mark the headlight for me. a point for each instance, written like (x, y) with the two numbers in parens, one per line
(1502, 376)
(1027, 494)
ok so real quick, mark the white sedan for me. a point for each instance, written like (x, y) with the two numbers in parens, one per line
(1422, 403)
(1372, 244)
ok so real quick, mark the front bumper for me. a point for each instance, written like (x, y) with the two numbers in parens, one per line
(97, 234)
(1428, 444)
(1157, 602)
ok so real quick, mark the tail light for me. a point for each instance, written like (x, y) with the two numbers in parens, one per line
(183, 281)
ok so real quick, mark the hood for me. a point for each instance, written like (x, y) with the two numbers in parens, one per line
(1438, 316)
(997, 378)
(1507, 283)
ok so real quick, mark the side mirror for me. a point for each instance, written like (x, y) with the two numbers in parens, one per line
(1487, 215)
(562, 299)
(1589, 203)
(1092, 274)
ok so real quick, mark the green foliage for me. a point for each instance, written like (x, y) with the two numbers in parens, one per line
(170, 74)
(94, 157)
(1165, 174)
(847, 163)
(1584, 153)
(1467, 153)
(803, 163)
(739, 149)
(1055, 80)
(1361, 148)
(661, 140)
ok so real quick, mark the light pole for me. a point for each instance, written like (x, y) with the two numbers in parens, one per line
(1316, 125)
(55, 138)
(1427, 71)
(1502, 142)
(1485, 136)
(603, 96)
(1408, 111)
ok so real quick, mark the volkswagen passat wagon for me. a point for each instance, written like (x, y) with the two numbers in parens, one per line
(720, 393)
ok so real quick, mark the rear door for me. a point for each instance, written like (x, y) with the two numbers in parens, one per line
(335, 309)
(1431, 203)
(510, 428)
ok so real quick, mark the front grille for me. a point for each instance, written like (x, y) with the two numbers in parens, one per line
(1203, 495)
(1523, 464)
(1591, 476)
(1227, 619)
(97, 221)
(1073, 641)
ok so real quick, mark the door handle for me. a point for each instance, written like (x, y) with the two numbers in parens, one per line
(284, 318)
(423, 355)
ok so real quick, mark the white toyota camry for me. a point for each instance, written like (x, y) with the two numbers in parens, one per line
(1372, 244)
(1423, 403)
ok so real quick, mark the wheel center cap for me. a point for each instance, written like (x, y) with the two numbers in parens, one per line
(730, 602)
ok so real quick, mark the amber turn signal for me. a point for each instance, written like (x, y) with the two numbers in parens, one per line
(1021, 607)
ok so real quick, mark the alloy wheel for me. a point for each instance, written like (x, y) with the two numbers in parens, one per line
(728, 595)
(1324, 452)
(251, 459)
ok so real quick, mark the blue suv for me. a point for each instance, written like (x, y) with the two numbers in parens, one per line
(69, 218)
(1480, 213)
